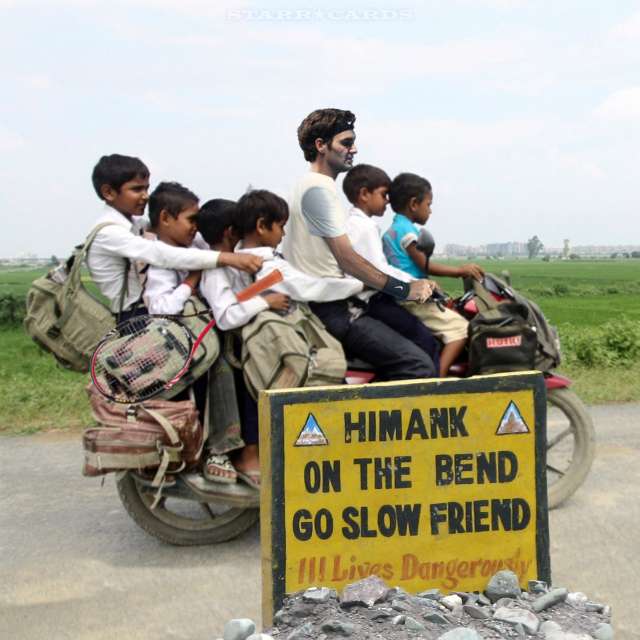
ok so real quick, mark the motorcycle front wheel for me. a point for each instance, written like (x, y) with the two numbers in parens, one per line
(182, 522)
(570, 444)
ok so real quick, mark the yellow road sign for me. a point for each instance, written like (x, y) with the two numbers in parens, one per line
(426, 484)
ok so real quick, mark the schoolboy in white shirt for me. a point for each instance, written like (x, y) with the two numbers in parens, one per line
(122, 182)
(366, 187)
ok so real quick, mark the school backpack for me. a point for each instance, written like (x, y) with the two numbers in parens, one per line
(294, 350)
(65, 319)
(547, 354)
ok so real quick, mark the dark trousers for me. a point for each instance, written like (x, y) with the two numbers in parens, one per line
(248, 410)
(394, 355)
(385, 308)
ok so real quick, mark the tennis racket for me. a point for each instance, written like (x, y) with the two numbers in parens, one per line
(146, 355)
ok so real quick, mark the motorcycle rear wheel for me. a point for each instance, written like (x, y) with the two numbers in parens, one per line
(182, 522)
(570, 444)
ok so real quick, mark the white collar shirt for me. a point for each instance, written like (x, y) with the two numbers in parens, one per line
(119, 241)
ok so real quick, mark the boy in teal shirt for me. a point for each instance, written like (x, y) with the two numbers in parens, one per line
(411, 197)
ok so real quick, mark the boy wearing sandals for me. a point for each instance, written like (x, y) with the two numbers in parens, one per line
(173, 211)
(215, 223)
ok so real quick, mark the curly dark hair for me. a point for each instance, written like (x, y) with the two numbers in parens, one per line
(406, 186)
(363, 175)
(322, 123)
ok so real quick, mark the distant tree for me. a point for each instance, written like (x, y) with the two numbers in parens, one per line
(546, 258)
(53, 261)
(614, 255)
(534, 247)
(635, 254)
(574, 256)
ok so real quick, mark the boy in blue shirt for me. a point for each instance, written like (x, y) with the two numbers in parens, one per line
(411, 197)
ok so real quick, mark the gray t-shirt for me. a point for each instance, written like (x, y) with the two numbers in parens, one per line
(315, 213)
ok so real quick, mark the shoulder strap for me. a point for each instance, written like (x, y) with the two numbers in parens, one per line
(74, 274)
(484, 299)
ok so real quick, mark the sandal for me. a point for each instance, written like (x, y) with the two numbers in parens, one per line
(251, 477)
(218, 468)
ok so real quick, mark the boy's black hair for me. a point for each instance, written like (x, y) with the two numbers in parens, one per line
(214, 217)
(406, 186)
(115, 170)
(322, 123)
(257, 204)
(363, 175)
(170, 196)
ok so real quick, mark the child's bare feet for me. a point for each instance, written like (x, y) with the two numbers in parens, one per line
(247, 464)
(218, 468)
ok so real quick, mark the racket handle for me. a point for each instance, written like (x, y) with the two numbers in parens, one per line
(259, 286)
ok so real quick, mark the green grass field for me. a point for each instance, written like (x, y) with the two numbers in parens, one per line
(40, 395)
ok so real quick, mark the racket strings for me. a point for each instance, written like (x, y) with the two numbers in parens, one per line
(138, 358)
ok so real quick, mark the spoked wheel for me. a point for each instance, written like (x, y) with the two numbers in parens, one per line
(570, 444)
(181, 521)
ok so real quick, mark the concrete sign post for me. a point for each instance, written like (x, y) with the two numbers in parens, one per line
(426, 484)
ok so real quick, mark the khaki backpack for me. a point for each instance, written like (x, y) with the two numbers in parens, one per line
(65, 319)
(290, 351)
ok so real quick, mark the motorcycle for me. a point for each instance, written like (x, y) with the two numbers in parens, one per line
(193, 511)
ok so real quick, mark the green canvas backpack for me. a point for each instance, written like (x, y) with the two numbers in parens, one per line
(289, 351)
(65, 319)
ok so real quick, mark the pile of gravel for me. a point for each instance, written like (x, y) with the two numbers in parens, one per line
(370, 609)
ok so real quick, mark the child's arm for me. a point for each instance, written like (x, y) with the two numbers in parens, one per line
(470, 270)
(305, 288)
(216, 287)
(163, 295)
(118, 241)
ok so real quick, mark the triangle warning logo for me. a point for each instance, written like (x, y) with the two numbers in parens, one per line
(512, 421)
(311, 434)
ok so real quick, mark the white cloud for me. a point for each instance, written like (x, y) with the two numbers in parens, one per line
(39, 82)
(629, 28)
(9, 140)
(621, 105)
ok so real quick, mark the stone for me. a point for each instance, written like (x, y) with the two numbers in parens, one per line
(503, 602)
(482, 599)
(603, 631)
(451, 602)
(503, 584)
(366, 592)
(549, 626)
(400, 605)
(302, 633)
(473, 611)
(281, 617)
(260, 636)
(576, 598)
(238, 629)
(396, 593)
(593, 606)
(431, 594)
(413, 625)
(318, 595)
(460, 633)
(549, 599)
(340, 627)
(436, 618)
(537, 586)
(397, 619)
(515, 615)
(301, 609)
(380, 614)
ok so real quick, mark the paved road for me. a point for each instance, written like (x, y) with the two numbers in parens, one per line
(73, 565)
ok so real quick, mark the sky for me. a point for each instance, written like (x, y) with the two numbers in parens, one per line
(524, 115)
